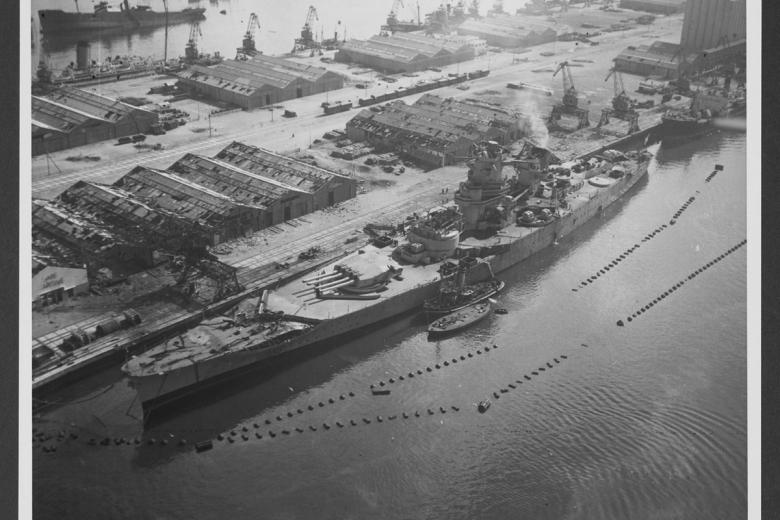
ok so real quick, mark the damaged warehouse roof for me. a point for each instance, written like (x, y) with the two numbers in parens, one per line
(172, 192)
(434, 130)
(296, 174)
(444, 120)
(198, 200)
(231, 181)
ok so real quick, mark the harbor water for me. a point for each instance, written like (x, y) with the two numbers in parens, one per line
(280, 24)
(642, 421)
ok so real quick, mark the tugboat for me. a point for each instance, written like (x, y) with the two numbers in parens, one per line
(455, 295)
(459, 320)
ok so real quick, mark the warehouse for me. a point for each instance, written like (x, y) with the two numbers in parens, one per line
(218, 217)
(654, 6)
(72, 117)
(55, 283)
(434, 131)
(321, 188)
(660, 59)
(508, 31)
(197, 202)
(258, 81)
(405, 52)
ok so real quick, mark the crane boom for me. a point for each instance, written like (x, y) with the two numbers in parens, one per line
(397, 4)
(617, 81)
(254, 24)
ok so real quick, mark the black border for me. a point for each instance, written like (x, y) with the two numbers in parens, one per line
(9, 253)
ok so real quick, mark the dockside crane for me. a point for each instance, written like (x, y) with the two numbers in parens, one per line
(307, 41)
(570, 104)
(622, 105)
(191, 49)
(248, 48)
(392, 17)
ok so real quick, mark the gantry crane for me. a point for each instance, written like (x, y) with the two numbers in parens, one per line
(248, 49)
(307, 41)
(622, 105)
(570, 103)
(392, 17)
(191, 49)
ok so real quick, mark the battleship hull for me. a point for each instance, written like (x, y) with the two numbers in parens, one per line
(58, 21)
(420, 283)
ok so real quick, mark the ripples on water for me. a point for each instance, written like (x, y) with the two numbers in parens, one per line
(644, 421)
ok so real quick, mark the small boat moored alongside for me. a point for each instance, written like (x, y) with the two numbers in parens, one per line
(460, 319)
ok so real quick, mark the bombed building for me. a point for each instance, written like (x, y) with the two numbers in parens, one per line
(197, 202)
(72, 117)
(405, 52)
(258, 81)
(508, 31)
(434, 130)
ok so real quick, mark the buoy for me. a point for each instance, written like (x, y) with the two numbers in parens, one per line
(549, 365)
(289, 414)
(442, 410)
(313, 428)
(527, 378)
(541, 369)
(512, 386)
(326, 426)
(298, 429)
(556, 360)
(366, 420)
(428, 369)
(455, 409)
(629, 318)
(272, 434)
(164, 442)
(446, 363)
(378, 418)
(352, 422)
(454, 360)
(419, 372)
(405, 415)
(149, 442)
(258, 435)
(352, 394)
(331, 400)
(320, 404)
(268, 421)
(278, 418)
(430, 412)
(400, 378)
(381, 383)
(410, 374)
(417, 414)
(339, 424)
(535, 373)
(231, 440)
(503, 390)
(495, 394)
(243, 436)
(233, 433)
(371, 386)
(392, 380)
(479, 351)
(437, 365)
(286, 432)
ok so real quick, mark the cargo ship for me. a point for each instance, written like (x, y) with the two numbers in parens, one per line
(102, 18)
(380, 281)
(698, 119)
